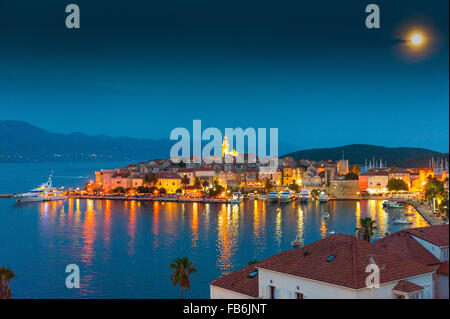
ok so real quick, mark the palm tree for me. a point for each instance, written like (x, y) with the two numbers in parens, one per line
(150, 179)
(185, 181)
(6, 275)
(182, 269)
(365, 231)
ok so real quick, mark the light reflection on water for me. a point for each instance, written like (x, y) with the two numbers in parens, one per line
(124, 248)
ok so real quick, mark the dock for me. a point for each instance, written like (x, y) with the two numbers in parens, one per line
(426, 212)
(154, 199)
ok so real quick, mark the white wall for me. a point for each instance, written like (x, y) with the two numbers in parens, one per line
(221, 293)
(287, 286)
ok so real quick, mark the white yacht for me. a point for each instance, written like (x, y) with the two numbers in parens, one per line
(323, 198)
(286, 197)
(45, 192)
(236, 198)
(273, 196)
(304, 195)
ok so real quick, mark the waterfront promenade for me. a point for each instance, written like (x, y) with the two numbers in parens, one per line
(426, 213)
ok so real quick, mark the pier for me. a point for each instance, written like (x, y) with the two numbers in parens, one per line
(426, 212)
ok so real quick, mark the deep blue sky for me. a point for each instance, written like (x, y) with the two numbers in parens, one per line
(312, 69)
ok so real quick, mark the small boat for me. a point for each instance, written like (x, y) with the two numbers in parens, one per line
(409, 214)
(296, 243)
(326, 215)
(236, 198)
(323, 198)
(251, 196)
(286, 197)
(273, 196)
(332, 233)
(304, 195)
(402, 221)
(391, 204)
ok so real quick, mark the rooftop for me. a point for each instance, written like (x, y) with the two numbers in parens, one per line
(338, 259)
(437, 235)
(407, 286)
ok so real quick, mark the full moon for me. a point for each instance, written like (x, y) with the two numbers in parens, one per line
(417, 39)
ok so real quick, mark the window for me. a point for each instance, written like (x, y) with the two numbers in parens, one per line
(299, 295)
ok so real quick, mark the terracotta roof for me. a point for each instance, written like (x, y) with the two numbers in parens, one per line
(346, 268)
(185, 170)
(403, 244)
(407, 286)
(443, 268)
(375, 172)
(437, 235)
(239, 281)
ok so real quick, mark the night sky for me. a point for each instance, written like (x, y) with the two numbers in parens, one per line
(310, 68)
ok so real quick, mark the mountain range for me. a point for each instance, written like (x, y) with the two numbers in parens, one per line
(21, 141)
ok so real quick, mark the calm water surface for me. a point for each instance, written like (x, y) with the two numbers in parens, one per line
(124, 248)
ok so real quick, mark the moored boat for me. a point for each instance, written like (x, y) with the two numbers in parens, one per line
(286, 197)
(273, 196)
(42, 193)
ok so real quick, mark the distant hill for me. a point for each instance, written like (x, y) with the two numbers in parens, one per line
(20, 141)
(357, 153)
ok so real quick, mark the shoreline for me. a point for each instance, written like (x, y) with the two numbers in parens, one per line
(196, 200)
(426, 212)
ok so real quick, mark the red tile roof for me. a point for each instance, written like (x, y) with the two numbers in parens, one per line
(239, 281)
(407, 286)
(376, 172)
(403, 244)
(185, 170)
(443, 268)
(347, 268)
(437, 235)
(205, 169)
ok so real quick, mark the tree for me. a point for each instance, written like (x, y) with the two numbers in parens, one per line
(6, 275)
(315, 193)
(252, 262)
(179, 191)
(185, 181)
(119, 190)
(355, 169)
(434, 189)
(293, 186)
(143, 190)
(365, 231)
(152, 189)
(182, 269)
(205, 183)
(397, 184)
(197, 183)
(268, 185)
(216, 189)
(162, 191)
